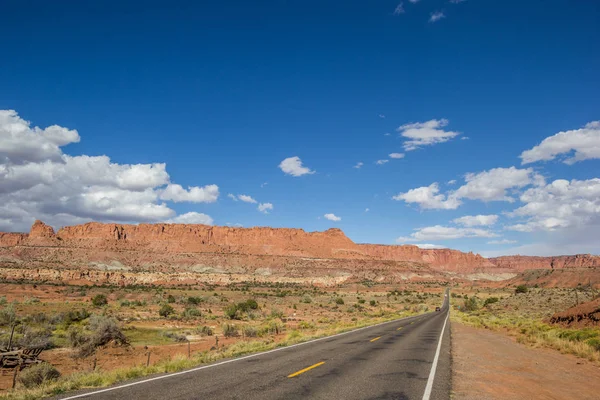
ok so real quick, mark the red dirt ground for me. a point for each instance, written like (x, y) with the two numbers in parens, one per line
(490, 366)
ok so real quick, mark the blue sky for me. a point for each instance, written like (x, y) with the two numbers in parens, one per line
(222, 93)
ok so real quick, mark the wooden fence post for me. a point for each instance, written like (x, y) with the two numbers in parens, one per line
(189, 349)
(148, 360)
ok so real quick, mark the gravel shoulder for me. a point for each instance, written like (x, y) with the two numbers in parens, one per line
(488, 366)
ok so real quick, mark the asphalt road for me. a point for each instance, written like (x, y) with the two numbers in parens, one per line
(388, 361)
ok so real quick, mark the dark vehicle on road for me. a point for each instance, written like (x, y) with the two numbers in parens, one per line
(437, 309)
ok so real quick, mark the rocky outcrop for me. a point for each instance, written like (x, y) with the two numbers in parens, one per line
(40, 229)
(521, 263)
(582, 315)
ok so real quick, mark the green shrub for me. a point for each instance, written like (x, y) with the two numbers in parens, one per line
(191, 312)
(38, 374)
(339, 301)
(101, 331)
(166, 310)
(205, 330)
(594, 343)
(373, 303)
(306, 299)
(490, 300)
(229, 330)
(250, 331)
(171, 299)
(361, 301)
(470, 304)
(232, 312)
(179, 338)
(99, 300)
(8, 316)
(521, 289)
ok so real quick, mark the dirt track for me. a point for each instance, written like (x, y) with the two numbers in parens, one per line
(490, 366)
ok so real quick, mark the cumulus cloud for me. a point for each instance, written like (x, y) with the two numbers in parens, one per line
(20, 143)
(265, 207)
(436, 16)
(194, 194)
(452, 182)
(247, 199)
(428, 197)
(492, 185)
(381, 162)
(293, 166)
(332, 217)
(439, 232)
(396, 155)
(192, 218)
(40, 181)
(476, 220)
(232, 196)
(503, 241)
(584, 143)
(558, 205)
(425, 133)
(359, 164)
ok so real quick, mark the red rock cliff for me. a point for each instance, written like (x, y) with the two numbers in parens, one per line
(521, 263)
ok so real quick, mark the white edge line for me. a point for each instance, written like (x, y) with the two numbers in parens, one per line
(429, 386)
(233, 360)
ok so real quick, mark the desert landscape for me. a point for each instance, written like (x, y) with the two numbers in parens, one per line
(110, 302)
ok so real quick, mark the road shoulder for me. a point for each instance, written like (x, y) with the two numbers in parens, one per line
(488, 366)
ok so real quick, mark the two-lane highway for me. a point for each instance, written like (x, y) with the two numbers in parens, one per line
(402, 359)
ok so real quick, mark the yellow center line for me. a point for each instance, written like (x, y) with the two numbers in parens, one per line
(306, 369)
(374, 339)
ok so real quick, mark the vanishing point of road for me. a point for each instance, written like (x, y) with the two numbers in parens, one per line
(407, 358)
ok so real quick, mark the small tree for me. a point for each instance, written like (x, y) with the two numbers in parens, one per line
(373, 303)
(166, 310)
(470, 304)
(99, 300)
(521, 289)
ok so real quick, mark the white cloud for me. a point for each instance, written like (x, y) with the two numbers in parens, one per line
(293, 166)
(236, 225)
(584, 142)
(436, 16)
(414, 1)
(397, 11)
(332, 217)
(367, 210)
(247, 199)
(20, 143)
(396, 155)
(381, 116)
(425, 133)
(265, 207)
(452, 182)
(492, 185)
(429, 246)
(232, 197)
(559, 205)
(439, 232)
(387, 134)
(262, 185)
(427, 197)
(457, 1)
(503, 241)
(194, 194)
(486, 186)
(359, 164)
(381, 162)
(40, 181)
(192, 218)
(476, 220)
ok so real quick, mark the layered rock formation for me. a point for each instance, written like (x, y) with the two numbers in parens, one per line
(521, 263)
(179, 252)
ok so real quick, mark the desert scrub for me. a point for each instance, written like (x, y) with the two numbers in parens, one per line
(535, 333)
(100, 331)
(99, 300)
(229, 330)
(84, 380)
(38, 374)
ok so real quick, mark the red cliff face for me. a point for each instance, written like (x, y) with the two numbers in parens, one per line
(293, 252)
(521, 263)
